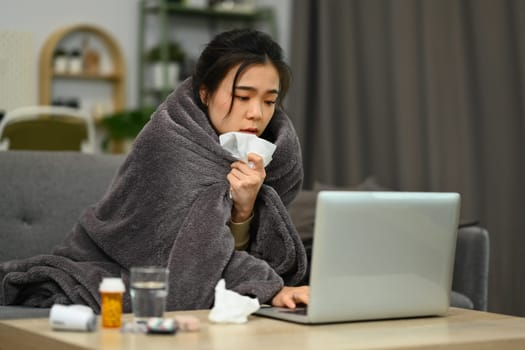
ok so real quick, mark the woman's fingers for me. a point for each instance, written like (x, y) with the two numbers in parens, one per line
(256, 161)
(290, 297)
(301, 297)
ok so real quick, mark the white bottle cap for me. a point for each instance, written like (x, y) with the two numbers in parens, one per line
(112, 285)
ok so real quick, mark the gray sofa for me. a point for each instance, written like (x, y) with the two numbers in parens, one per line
(43, 193)
(41, 197)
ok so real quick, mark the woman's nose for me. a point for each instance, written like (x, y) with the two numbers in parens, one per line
(254, 110)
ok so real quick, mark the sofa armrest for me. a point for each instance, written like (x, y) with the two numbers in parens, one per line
(471, 266)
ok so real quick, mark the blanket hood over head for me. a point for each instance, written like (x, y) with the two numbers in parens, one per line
(168, 205)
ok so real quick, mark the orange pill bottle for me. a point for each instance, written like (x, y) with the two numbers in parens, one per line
(111, 292)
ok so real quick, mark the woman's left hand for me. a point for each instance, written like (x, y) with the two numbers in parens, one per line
(291, 296)
(245, 181)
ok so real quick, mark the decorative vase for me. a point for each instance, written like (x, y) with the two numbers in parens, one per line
(60, 64)
(165, 75)
(75, 62)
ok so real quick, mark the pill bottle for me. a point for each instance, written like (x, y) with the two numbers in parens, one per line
(111, 292)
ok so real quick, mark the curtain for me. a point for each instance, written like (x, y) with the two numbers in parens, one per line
(424, 95)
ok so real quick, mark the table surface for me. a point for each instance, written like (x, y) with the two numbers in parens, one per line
(460, 329)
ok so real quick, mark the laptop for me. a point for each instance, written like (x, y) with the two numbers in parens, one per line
(379, 255)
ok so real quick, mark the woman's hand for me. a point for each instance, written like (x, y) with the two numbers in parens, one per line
(291, 296)
(245, 181)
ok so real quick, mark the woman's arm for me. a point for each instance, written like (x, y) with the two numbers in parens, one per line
(241, 233)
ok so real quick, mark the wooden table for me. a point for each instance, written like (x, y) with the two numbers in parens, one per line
(460, 329)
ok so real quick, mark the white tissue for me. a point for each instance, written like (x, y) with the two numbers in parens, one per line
(239, 144)
(230, 306)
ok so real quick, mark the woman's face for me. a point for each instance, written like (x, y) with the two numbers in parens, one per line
(254, 100)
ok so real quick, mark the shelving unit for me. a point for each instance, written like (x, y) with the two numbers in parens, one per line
(116, 77)
(167, 13)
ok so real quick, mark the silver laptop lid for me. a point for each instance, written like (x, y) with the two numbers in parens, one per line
(382, 255)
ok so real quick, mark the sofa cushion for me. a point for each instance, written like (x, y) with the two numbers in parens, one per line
(302, 212)
(368, 184)
(43, 194)
(302, 209)
(460, 300)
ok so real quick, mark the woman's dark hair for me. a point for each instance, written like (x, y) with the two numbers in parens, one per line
(238, 46)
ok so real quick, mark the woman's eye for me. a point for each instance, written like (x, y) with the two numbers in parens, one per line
(270, 103)
(242, 98)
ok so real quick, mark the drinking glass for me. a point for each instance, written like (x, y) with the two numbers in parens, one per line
(149, 289)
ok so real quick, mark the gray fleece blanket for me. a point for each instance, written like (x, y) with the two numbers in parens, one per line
(168, 205)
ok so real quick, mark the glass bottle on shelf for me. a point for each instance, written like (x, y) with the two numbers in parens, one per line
(60, 61)
(75, 62)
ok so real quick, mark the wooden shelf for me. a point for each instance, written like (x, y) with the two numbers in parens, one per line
(177, 9)
(110, 77)
(167, 13)
(116, 78)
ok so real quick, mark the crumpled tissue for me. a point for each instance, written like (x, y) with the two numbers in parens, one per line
(239, 144)
(230, 306)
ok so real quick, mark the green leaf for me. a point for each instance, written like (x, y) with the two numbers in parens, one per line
(126, 124)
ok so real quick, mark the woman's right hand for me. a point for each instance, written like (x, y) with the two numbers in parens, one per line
(245, 180)
(290, 297)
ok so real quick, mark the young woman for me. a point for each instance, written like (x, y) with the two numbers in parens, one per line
(241, 78)
(181, 200)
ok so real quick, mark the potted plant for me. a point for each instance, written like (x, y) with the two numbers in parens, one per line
(122, 128)
(165, 65)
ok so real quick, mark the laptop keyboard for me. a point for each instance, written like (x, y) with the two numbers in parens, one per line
(297, 311)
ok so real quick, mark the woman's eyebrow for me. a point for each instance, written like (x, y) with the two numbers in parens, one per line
(251, 88)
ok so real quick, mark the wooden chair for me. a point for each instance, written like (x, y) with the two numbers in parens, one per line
(50, 128)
